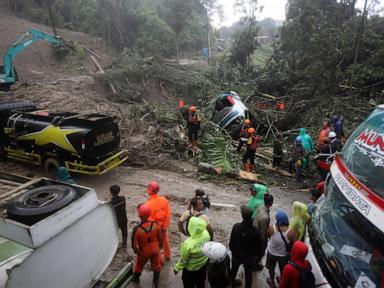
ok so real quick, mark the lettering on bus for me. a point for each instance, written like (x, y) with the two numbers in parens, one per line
(371, 143)
(352, 194)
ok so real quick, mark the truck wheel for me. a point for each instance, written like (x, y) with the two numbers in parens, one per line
(51, 165)
(38, 203)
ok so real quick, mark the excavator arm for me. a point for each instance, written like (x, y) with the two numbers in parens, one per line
(30, 37)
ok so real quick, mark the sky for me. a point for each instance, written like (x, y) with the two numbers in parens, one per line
(272, 8)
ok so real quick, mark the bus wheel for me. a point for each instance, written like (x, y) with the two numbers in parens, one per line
(51, 165)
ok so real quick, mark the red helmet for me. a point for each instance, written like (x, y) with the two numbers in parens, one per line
(247, 122)
(153, 188)
(143, 211)
(192, 109)
(251, 130)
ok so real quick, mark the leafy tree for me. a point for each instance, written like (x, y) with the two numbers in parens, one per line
(245, 41)
(245, 44)
(154, 37)
(179, 15)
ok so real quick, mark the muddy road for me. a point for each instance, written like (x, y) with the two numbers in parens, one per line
(178, 184)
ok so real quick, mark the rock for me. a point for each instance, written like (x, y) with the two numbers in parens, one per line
(206, 168)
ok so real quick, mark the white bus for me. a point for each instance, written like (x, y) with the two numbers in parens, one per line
(347, 229)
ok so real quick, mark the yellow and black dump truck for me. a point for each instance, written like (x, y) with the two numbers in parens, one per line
(86, 143)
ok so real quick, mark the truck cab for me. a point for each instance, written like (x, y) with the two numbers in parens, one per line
(347, 229)
(86, 143)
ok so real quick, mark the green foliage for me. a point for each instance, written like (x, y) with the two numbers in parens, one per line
(187, 20)
(150, 27)
(218, 148)
(262, 55)
(169, 79)
(154, 36)
(317, 46)
(245, 44)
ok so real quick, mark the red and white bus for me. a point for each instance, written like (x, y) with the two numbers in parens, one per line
(347, 229)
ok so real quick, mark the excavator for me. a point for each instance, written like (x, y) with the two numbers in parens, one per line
(8, 75)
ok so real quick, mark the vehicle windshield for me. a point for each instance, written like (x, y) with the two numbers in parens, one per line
(353, 247)
(363, 154)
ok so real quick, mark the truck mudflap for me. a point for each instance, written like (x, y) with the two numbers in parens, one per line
(321, 281)
(98, 169)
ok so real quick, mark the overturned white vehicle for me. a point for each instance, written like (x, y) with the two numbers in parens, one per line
(53, 234)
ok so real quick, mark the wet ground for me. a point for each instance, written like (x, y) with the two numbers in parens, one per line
(178, 184)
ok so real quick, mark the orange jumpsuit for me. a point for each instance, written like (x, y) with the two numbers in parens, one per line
(146, 238)
(161, 213)
(323, 133)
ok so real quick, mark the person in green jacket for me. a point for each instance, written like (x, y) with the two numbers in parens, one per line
(307, 144)
(257, 197)
(192, 260)
(299, 219)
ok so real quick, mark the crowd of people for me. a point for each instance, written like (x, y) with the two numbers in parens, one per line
(255, 237)
(202, 257)
(331, 139)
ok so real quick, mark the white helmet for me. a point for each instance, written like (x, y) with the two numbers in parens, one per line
(215, 251)
(332, 134)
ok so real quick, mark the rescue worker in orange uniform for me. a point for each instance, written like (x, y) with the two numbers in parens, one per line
(193, 125)
(146, 242)
(244, 134)
(161, 213)
(252, 144)
(324, 132)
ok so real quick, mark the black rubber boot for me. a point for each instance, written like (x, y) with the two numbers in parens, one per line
(136, 277)
(236, 283)
(156, 277)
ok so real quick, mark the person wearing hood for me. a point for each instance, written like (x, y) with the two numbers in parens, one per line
(192, 260)
(161, 213)
(338, 125)
(297, 157)
(63, 175)
(299, 219)
(257, 197)
(307, 145)
(279, 245)
(245, 244)
(291, 273)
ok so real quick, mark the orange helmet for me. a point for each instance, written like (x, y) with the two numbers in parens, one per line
(143, 211)
(192, 109)
(247, 122)
(153, 188)
(251, 130)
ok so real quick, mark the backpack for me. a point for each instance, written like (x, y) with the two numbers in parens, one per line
(307, 279)
(206, 201)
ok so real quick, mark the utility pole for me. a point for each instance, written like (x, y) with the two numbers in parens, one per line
(208, 33)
